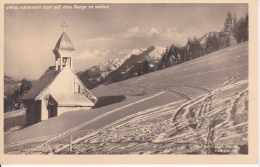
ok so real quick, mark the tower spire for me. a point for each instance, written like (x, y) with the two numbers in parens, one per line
(63, 51)
(64, 25)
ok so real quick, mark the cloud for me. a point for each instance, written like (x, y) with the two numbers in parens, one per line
(133, 30)
(118, 45)
(131, 33)
(137, 32)
(92, 57)
(155, 31)
(92, 54)
(146, 36)
(89, 58)
(123, 52)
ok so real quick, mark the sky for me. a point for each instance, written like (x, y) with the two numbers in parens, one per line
(98, 34)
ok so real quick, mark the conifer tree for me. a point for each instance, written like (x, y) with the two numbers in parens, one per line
(227, 30)
(246, 28)
(146, 67)
(222, 40)
(188, 49)
(209, 45)
(234, 24)
(216, 42)
(228, 24)
(240, 33)
(161, 63)
(139, 73)
(182, 55)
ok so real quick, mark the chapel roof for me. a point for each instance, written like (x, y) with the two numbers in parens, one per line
(64, 43)
(46, 79)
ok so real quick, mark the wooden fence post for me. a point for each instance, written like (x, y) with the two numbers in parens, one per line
(71, 143)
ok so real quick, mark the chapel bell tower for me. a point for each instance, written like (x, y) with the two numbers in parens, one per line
(64, 51)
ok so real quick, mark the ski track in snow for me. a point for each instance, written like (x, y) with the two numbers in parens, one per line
(134, 118)
(57, 136)
(157, 112)
(153, 113)
(173, 70)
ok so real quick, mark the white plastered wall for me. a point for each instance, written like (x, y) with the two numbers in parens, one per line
(65, 83)
(44, 111)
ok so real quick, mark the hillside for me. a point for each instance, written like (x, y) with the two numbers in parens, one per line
(13, 90)
(195, 72)
(9, 85)
(190, 108)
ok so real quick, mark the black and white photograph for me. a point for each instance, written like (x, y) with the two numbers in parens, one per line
(126, 79)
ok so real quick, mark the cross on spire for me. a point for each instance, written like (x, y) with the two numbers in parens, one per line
(63, 25)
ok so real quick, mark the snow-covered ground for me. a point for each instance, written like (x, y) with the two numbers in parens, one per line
(173, 128)
(193, 107)
(14, 120)
(14, 113)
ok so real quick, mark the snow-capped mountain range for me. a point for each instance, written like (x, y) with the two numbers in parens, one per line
(156, 54)
(112, 64)
(95, 74)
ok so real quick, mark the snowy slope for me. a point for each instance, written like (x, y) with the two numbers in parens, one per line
(165, 112)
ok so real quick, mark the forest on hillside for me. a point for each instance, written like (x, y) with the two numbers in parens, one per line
(12, 99)
(234, 32)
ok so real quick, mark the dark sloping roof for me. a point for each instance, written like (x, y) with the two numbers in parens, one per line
(46, 79)
(64, 43)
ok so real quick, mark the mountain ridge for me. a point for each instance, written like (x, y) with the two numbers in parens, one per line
(106, 71)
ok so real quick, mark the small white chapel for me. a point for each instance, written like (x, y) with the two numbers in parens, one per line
(59, 89)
